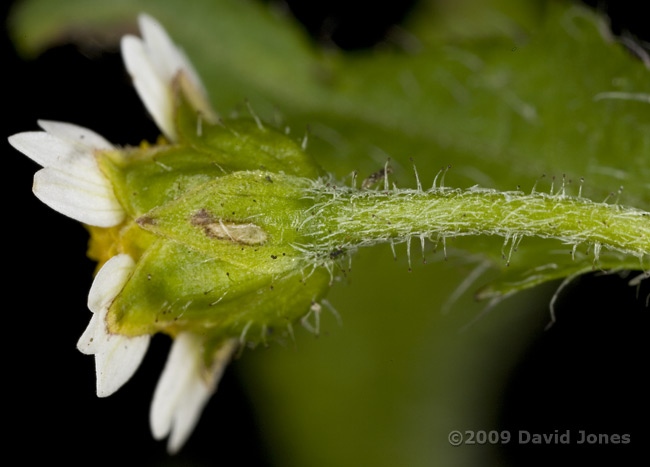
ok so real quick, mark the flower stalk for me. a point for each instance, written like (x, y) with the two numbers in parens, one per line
(344, 218)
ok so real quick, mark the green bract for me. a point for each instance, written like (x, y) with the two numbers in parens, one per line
(211, 223)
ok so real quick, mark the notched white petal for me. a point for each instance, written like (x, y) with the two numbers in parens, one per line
(109, 282)
(116, 357)
(77, 198)
(184, 388)
(88, 341)
(117, 360)
(154, 90)
(71, 182)
(53, 152)
(154, 63)
(165, 56)
(75, 133)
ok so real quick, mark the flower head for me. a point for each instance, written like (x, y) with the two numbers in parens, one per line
(73, 183)
(193, 239)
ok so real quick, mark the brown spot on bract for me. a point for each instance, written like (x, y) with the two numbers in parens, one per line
(145, 220)
(243, 233)
(202, 217)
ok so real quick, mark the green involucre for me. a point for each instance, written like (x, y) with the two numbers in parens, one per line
(242, 236)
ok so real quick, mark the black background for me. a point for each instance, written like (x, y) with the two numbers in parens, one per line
(585, 373)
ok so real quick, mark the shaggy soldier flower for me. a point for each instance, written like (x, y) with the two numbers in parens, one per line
(73, 184)
(228, 233)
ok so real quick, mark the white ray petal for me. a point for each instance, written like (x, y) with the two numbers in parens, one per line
(166, 56)
(117, 360)
(183, 388)
(109, 282)
(50, 151)
(154, 62)
(71, 181)
(88, 341)
(154, 91)
(75, 133)
(182, 370)
(116, 357)
(77, 198)
(187, 414)
(163, 53)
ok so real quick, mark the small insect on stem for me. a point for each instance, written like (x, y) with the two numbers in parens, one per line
(377, 176)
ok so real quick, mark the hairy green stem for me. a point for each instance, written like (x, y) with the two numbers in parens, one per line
(347, 218)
